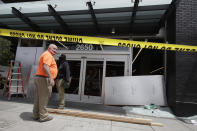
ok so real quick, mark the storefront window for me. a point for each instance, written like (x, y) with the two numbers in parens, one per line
(114, 69)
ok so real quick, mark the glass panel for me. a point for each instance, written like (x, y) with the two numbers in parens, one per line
(93, 79)
(147, 21)
(19, 26)
(81, 23)
(66, 17)
(154, 2)
(75, 67)
(48, 24)
(42, 18)
(128, 14)
(114, 22)
(114, 68)
(5, 20)
(155, 12)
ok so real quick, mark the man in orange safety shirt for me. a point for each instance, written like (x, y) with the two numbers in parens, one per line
(44, 81)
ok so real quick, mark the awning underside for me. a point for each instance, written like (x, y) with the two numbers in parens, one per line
(138, 20)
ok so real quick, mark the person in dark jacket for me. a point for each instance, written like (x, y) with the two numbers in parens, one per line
(63, 79)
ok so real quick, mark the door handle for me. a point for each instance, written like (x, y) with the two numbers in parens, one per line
(83, 57)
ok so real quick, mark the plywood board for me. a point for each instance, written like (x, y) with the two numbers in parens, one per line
(134, 90)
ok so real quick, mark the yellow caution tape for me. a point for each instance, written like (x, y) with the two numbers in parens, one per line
(95, 40)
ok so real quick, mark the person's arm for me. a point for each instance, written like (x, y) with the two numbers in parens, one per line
(68, 72)
(47, 71)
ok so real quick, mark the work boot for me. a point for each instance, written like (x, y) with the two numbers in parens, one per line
(48, 118)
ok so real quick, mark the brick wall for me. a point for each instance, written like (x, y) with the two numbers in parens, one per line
(186, 63)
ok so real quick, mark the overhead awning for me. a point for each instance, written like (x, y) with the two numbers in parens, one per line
(139, 17)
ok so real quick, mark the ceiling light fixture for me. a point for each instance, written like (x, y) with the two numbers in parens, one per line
(132, 1)
(113, 31)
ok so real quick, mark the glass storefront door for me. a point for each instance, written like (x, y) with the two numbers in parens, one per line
(86, 82)
(92, 82)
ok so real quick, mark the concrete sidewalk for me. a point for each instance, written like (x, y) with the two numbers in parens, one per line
(16, 115)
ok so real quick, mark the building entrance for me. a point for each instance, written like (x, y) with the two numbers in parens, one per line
(88, 71)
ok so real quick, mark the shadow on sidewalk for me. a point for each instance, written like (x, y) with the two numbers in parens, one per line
(27, 116)
(69, 105)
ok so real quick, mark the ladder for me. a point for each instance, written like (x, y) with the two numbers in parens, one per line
(14, 80)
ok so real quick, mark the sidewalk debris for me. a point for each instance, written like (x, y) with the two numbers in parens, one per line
(150, 110)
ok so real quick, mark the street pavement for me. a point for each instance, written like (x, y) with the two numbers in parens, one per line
(16, 115)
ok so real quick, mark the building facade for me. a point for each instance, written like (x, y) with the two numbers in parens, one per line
(171, 21)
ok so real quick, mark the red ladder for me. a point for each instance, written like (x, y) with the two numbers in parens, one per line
(15, 80)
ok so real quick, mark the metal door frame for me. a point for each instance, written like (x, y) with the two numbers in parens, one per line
(86, 98)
